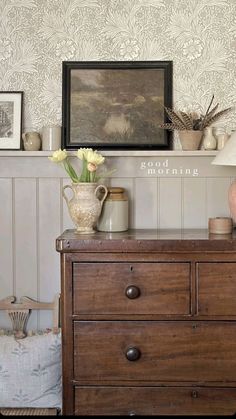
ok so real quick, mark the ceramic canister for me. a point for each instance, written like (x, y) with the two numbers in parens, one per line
(114, 217)
(220, 225)
(51, 137)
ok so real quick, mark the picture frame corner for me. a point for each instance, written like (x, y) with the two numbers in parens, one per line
(11, 119)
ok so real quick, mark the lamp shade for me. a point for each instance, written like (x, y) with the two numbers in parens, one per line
(227, 156)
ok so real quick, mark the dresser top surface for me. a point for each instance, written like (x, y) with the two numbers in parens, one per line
(146, 240)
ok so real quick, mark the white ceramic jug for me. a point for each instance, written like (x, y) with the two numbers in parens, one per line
(31, 141)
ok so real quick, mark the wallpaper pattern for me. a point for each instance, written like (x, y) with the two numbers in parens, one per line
(37, 35)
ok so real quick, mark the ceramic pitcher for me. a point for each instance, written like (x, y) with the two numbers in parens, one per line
(85, 205)
(31, 141)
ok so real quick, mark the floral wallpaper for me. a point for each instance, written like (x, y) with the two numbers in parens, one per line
(198, 35)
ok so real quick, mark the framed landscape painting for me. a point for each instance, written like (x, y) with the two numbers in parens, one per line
(116, 105)
(10, 120)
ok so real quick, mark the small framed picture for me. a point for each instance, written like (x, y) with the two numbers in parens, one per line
(10, 120)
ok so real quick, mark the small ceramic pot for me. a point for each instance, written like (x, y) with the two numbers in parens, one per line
(220, 225)
(190, 139)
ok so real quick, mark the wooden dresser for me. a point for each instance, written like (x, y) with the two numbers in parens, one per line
(149, 323)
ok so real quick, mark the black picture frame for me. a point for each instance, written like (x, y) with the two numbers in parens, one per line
(11, 104)
(80, 84)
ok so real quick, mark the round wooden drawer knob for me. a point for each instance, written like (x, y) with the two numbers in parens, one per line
(133, 354)
(132, 292)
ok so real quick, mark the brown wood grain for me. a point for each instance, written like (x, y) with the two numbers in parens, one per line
(146, 241)
(183, 322)
(111, 401)
(170, 351)
(217, 289)
(153, 257)
(101, 288)
(67, 335)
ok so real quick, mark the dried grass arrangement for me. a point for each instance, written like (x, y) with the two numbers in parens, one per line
(182, 121)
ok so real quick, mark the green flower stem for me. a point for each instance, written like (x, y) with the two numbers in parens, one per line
(85, 173)
(71, 171)
(92, 176)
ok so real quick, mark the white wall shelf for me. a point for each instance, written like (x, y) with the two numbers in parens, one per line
(116, 153)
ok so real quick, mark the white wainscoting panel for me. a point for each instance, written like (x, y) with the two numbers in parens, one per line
(33, 212)
(217, 197)
(146, 206)
(194, 203)
(169, 202)
(49, 227)
(25, 239)
(66, 220)
(6, 238)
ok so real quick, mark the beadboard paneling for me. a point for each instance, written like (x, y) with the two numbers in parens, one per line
(146, 207)
(217, 197)
(49, 227)
(6, 238)
(194, 203)
(169, 202)
(66, 220)
(34, 212)
(25, 240)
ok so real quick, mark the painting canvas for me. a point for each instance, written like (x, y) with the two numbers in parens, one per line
(116, 105)
(10, 120)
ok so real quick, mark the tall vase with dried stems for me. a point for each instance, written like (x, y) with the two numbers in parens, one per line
(191, 125)
(190, 139)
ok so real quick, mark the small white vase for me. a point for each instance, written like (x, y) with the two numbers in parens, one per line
(209, 141)
(84, 206)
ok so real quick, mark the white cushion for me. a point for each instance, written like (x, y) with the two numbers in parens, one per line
(30, 371)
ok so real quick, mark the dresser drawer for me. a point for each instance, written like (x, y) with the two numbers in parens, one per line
(154, 401)
(217, 288)
(154, 351)
(131, 288)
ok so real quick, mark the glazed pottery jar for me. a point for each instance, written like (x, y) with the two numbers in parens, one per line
(85, 206)
(114, 215)
(31, 141)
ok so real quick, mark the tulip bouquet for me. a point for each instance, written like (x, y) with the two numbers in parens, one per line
(90, 161)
